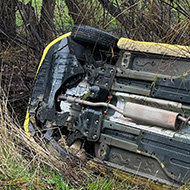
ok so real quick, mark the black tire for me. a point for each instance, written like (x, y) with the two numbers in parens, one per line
(86, 34)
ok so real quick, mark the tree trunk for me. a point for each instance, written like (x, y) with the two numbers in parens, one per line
(46, 26)
(7, 19)
(30, 21)
(77, 11)
(116, 12)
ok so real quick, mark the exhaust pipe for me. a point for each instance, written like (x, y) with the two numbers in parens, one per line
(153, 116)
(145, 114)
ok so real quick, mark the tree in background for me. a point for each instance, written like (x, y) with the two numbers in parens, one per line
(37, 32)
(157, 20)
(46, 24)
(7, 19)
(76, 11)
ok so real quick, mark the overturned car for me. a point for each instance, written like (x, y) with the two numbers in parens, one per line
(126, 103)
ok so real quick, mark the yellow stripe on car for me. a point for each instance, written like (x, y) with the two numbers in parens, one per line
(49, 46)
(26, 122)
(155, 48)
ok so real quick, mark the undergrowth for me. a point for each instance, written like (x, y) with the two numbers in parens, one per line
(24, 164)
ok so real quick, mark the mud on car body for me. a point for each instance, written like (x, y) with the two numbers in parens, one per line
(127, 103)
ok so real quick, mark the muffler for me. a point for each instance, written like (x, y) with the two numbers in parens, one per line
(152, 116)
(144, 114)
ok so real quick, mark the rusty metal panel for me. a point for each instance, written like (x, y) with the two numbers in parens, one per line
(152, 102)
(152, 116)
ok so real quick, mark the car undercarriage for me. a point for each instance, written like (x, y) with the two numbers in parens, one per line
(123, 102)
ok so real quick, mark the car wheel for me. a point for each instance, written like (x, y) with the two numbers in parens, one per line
(86, 34)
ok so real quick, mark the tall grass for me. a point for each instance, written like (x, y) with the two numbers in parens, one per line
(24, 164)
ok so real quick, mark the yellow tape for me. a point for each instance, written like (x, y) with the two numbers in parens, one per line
(26, 122)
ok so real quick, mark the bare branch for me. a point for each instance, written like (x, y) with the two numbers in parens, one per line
(115, 12)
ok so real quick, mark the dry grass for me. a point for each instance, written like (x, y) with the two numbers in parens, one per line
(24, 164)
(22, 160)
